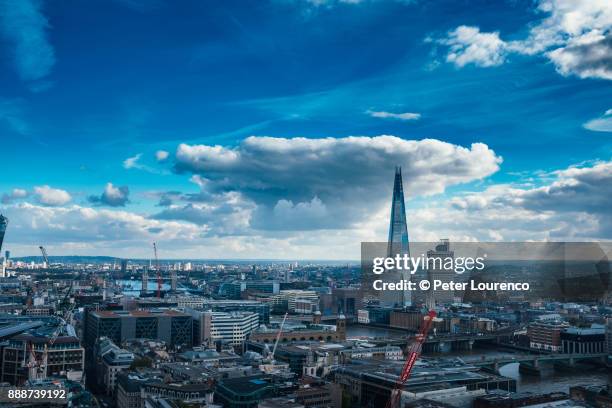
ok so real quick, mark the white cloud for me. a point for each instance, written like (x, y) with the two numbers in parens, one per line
(95, 228)
(112, 196)
(601, 124)
(51, 196)
(15, 194)
(23, 24)
(223, 214)
(468, 45)
(134, 163)
(575, 35)
(161, 155)
(574, 205)
(569, 204)
(300, 168)
(400, 116)
(326, 177)
(589, 56)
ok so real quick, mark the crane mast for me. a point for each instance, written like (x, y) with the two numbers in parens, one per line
(159, 277)
(414, 351)
(45, 257)
(278, 335)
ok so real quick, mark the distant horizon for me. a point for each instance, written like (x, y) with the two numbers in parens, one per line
(288, 260)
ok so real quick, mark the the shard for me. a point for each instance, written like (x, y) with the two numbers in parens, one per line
(398, 231)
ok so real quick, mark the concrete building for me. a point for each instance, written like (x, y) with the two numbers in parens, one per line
(436, 271)
(609, 335)
(65, 357)
(186, 301)
(111, 360)
(347, 301)
(128, 390)
(545, 334)
(406, 319)
(245, 392)
(232, 327)
(363, 316)
(583, 340)
(370, 384)
(171, 326)
(377, 353)
(262, 309)
(233, 290)
(319, 394)
(294, 300)
(314, 332)
(512, 400)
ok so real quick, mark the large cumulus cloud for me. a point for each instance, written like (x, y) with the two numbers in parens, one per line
(330, 183)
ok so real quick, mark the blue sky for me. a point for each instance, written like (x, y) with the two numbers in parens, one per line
(90, 92)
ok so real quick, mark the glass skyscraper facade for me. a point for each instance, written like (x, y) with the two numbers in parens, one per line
(398, 229)
(3, 225)
(398, 232)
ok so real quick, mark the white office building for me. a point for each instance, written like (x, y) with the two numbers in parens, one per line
(232, 327)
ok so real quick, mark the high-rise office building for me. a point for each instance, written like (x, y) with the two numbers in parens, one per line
(398, 243)
(124, 263)
(232, 327)
(435, 270)
(3, 225)
(609, 336)
(173, 327)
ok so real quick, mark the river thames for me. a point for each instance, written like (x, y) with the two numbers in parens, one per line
(550, 380)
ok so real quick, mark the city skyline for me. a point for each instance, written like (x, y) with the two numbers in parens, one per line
(271, 130)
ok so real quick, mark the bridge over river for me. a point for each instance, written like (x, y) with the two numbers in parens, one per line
(530, 363)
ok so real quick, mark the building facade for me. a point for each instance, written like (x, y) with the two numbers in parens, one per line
(546, 334)
(65, 356)
(171, 326)
(110, 361)
(231, 327)
(583, 340)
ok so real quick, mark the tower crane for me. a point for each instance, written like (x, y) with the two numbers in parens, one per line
(44, 254)
(414, 351)
(280, 330)
(159, 277)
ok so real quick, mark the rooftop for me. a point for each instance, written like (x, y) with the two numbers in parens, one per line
(245, 385)
(138, 313)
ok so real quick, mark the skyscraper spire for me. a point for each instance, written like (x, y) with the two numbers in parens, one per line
(398, 231)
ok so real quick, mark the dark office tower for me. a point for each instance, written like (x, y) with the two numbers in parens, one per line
(398, 230)
(7, 255)
(3, 225)
(123, 266)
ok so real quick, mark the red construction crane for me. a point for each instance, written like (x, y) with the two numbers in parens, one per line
(414, 351)
(159, 277)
